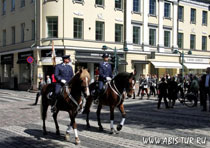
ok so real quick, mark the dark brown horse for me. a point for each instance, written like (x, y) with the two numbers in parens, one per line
(70, 101)
(113, 97)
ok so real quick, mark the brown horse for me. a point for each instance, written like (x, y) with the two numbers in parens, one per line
(70, 101)
(113, 97)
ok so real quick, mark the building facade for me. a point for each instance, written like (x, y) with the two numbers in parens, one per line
(151, 30)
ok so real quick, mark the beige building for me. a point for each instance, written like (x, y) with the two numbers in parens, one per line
(153, 30)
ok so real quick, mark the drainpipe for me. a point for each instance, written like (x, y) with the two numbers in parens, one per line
(34, 44)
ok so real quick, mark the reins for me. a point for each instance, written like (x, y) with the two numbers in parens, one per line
(116, 91)
(72, 98)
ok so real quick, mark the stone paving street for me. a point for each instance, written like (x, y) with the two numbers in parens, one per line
(21, 126)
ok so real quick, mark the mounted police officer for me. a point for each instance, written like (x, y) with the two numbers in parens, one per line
(63, 75)
(105, 71)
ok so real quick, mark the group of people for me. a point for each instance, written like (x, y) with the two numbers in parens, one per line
(170, 86)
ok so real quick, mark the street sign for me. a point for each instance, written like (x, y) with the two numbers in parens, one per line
(30, 59)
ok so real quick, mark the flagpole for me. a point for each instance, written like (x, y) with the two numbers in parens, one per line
(53, 54)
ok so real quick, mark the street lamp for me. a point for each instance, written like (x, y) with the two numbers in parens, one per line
(182, 58)
(116, 60)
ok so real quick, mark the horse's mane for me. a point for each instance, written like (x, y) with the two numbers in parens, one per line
(84, 74)
(80, 74)
(122, 74)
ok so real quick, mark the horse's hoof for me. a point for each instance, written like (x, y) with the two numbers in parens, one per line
(67, 137)
(113, 131)
(101, 128)
(77, 141)
(58, 133)
(119, 127)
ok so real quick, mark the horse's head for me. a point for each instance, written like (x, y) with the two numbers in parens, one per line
(84, 80)
(130, 85)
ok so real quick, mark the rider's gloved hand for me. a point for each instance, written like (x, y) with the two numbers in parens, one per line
(63, 81)
(108, 78)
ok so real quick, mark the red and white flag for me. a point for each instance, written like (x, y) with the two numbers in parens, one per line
(53, 54)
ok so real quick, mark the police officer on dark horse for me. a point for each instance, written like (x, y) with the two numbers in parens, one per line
(113, 95)
(63, 75)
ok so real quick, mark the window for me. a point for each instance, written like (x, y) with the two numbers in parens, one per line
(193, 16)
(78, 28)
(4, 7)
(192, 41)
(181, 13)
(118, 32)
(204, 18)
(22, 3)
(136, 6)
(99, 31)
(32, 29)
(152, 37)
(13, 35)
(22, 32)
(167, 10)
(12, 5)
(204, 43)
(152, 7)
(100, 2)
(167, 38)
(4, 38)
(118, 4)
(180, 40)
(136, 35)
(52, 27)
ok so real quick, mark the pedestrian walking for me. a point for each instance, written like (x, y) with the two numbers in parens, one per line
(172, 92)
(162, 93)
(206, 85)
(41, 85)
(48, 79)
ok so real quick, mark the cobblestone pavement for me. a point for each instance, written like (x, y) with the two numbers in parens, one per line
(21, 126)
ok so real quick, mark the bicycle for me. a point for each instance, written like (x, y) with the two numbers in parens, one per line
(189, 99)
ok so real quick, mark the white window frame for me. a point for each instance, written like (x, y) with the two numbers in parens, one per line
(169, 17)
(169, 38)
(139, 41)
(155, 36)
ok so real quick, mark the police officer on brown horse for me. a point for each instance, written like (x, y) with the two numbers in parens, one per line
(105, 71)
(63, 75)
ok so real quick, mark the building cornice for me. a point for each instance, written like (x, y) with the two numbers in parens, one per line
(195, 4)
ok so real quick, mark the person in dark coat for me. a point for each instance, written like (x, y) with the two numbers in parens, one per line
(206, 85)
(41, 85)
(162, 93)
(172, 91)
(105, 71)
(63, 75)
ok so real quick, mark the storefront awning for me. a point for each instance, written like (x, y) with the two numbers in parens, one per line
(196, 66)
(167, 65)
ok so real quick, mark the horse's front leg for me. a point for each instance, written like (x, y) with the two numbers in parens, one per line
(74, 125)
(122, 110)
(113, 131)
(98, 117)
(56, 123)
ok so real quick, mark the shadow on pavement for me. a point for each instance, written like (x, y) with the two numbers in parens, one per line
(26, 142)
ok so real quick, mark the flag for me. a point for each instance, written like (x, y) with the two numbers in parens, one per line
(53, 54)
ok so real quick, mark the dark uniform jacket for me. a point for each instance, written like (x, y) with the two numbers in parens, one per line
(63, 72)
(105, 70)
(163, 88)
